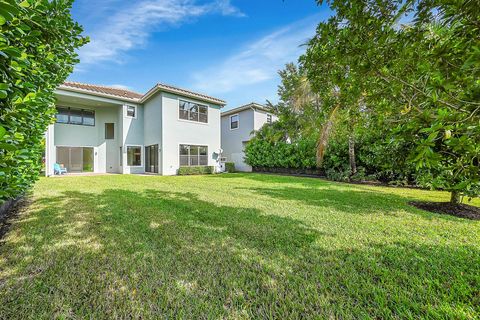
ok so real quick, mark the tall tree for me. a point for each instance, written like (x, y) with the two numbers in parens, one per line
(423, 73)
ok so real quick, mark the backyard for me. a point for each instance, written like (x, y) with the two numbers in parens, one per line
(235, 246)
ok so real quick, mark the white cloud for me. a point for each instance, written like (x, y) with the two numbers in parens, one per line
(131, 26)
(257, 62)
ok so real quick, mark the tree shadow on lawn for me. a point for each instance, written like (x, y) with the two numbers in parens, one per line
(148, 254)
(340, 197)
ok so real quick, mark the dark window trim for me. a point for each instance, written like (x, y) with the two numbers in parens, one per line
(77, 109)
(238, 121)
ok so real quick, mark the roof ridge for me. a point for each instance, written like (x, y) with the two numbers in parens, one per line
(140, 97)
(102, 86)
(243, 107)
(189, 91)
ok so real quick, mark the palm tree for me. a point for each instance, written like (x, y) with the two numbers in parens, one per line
(304, 96)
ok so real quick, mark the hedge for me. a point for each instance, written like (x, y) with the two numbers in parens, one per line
(266, 154)
(38, 39)
(230, 167)
(183, 171)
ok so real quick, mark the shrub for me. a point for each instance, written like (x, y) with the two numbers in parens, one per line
(230, 167)
(184, 171)
(38, 40)
(281, 154)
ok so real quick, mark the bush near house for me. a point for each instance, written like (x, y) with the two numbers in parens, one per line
(230, 167)
(184, 171)
(261, 152)
(37, 52)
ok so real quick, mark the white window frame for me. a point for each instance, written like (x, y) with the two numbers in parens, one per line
(195, 145)
(141, 155)
(238, 121)
(126, 111)
(192, 121)
(269, 118)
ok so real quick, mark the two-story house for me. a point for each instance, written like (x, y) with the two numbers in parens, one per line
(108, 130)
(238, 126)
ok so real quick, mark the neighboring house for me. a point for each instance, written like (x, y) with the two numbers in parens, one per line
(103, 129)
(237, 127)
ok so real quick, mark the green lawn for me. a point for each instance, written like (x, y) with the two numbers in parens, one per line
(235, 246)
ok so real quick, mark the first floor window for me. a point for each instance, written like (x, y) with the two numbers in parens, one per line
(191, 155)
(234, 122)
(134, 156)
(121, 157)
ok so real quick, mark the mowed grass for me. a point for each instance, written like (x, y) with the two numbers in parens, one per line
(235, 246)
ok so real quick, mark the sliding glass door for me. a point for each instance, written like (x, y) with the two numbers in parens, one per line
(75, 159)
(151, 159)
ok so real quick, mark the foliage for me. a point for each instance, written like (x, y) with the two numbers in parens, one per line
(422, 77)
(280, 154)
(230, 167)
(193, 170)
(38, 39)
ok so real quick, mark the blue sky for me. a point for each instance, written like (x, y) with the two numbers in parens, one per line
(230, 49)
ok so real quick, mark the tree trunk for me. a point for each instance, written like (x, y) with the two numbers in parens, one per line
(351, 154)
(324, 137)
(455, 197)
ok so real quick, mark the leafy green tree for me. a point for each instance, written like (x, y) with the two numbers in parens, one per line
(38, 40)
(423, 74)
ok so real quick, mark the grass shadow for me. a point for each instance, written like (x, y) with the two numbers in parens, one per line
(151, 253)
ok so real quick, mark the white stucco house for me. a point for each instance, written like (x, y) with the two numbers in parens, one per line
(109, 130)
(238, 126)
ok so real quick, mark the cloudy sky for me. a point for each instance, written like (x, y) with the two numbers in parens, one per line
(230, 49)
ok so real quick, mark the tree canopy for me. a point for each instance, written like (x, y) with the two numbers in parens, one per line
(406, 73)
(38, 40)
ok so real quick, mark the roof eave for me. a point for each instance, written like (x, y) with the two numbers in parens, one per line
(252, 105)
(158, 88)
(99, 94)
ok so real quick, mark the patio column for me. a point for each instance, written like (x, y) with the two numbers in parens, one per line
(50, 152)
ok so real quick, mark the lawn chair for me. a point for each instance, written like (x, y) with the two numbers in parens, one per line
(58, 169)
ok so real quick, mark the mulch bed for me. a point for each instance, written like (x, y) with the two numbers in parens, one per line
(458, 210)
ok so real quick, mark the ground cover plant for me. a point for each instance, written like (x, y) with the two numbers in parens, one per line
(236, 246)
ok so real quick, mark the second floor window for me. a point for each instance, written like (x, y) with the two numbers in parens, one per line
(131, 112)
(269, 118)
(193, 111)
(234, 122)
(75, 116)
